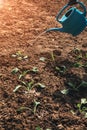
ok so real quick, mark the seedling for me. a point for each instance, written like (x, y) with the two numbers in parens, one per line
(78, 64)
(38, 128)
(77, 51)
(27, 108)
(35, 70)
(65, 91)
(23, 73)
(86, 115)
(15, 70)
(83, 84)
(42, 59)
(19, 56)
(82, 106)
(35, 106)
(79, 57)
(62, 69)
(85, 65)
(73, 86)
(76, 87)
(72, 112)
(28, 85)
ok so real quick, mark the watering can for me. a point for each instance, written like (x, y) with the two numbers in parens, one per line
(73, 21)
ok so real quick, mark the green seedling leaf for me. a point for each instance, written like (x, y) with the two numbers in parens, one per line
(77, 65)
(38, 128)
(86, 115)
(72, 112)
(41, 85)
(25, 57)
(17, 88)
(24, 83)
(84, 109)
(20, 76)
(86, 55)
(13, 55)
(83, 84)
(79, 56)
(19, 58)
(57, 68)
(22, 109)
(42, 59)
(19, 53)
(83, 101)
(79, 107)
(36, 105)
(61, 69)
(73, 86)
(65, 91)
(35, 69)
(15, 70)
(85, 65)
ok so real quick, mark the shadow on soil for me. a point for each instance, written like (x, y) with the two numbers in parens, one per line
(74, 81)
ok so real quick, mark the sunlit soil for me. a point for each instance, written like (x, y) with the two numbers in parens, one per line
(16, 23)
(4, 4)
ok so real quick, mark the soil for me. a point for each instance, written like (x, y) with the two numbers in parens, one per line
(34, 72)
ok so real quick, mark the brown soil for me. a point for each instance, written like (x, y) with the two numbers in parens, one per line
(54, 60)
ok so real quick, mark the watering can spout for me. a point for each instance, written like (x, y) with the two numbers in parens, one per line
(86, 22)
(55, 29)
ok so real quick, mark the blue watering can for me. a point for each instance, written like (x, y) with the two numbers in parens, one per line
(73, 21)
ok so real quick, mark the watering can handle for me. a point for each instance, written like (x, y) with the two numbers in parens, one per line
(61, 11)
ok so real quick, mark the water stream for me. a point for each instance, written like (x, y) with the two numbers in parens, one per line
(38, 37)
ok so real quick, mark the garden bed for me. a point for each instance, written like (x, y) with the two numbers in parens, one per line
(43, 82)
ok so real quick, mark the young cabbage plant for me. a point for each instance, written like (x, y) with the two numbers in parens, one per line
(25, 85)
(28, 85)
